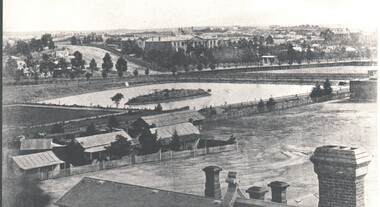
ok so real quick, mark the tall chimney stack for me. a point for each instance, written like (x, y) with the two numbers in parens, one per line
(278, 189)
(212, 182)
(341, 172)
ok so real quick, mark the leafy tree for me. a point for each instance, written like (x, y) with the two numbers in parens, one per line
(104, 74)
(158, 107)
(51, 45)
(120, 73)
(91, 130)
(290, 54)
(309, 54)
(78, 62)
(327, 90)
(36, 76)
(316, 91)
(88, 75)
(11, 67)
(107, 62)
(72, 75)
(93, 65)
(212, 66)
(121, 65)
(23, 48)
(148, 141)
(73, 40)
(135, 72)
(57, 128)
(117, 98)
(25, 192)
(46, 40)
(174, 69)
(269, 40)
(200, 67)
(175, 144)
(147, 71)
(261, 105)
(270, 104)
(112, 122)
(120, 148)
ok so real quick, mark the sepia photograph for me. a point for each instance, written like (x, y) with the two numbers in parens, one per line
(190, 103)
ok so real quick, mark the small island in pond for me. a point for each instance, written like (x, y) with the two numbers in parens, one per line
(168, 96)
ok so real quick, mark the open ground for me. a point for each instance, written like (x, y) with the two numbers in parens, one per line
(30, 115)
(272, 146)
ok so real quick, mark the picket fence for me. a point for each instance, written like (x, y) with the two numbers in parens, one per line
(132, 160)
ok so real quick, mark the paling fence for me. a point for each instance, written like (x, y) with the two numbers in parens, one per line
(249, 108)
(132, 160)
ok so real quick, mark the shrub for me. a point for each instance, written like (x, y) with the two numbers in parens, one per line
(135, 72)
(316, 91)
(270, 104)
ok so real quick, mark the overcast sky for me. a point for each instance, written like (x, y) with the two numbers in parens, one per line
(53, 15)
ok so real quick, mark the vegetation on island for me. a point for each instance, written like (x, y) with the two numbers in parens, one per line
(167, 95)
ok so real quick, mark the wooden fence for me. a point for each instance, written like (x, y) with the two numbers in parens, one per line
(250, 108)
(132, 160)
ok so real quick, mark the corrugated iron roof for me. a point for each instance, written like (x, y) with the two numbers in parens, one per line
(173, 118)
(182, 129)
(36, 144)
(37, 160)
(91, 192)
(101, 139)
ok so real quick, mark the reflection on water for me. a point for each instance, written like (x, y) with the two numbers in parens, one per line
(221, 93)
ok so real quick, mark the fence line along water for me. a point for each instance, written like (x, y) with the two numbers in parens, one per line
(251, 107)
(132, 160)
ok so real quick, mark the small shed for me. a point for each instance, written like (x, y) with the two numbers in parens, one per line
(268, 59)
(37, 145)
(95, 147)
(35, 163)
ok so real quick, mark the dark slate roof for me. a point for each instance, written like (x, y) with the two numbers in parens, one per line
(173, 118)
(36, 144)
(91, 192)
(37, 160)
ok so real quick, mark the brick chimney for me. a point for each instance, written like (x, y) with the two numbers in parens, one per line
(278, 189)
(212, 182)
(341, 172)
(256, 192)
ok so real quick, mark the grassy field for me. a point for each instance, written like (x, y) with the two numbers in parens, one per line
(98, 54)
(35, 115)
(272, 146)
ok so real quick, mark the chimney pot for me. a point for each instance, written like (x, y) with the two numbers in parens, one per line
(278, 189)
(256, 192)
(212, 182)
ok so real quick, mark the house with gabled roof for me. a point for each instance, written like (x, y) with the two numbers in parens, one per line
(95, 147)
(171, 118)
(187, 134)
(38, 162)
